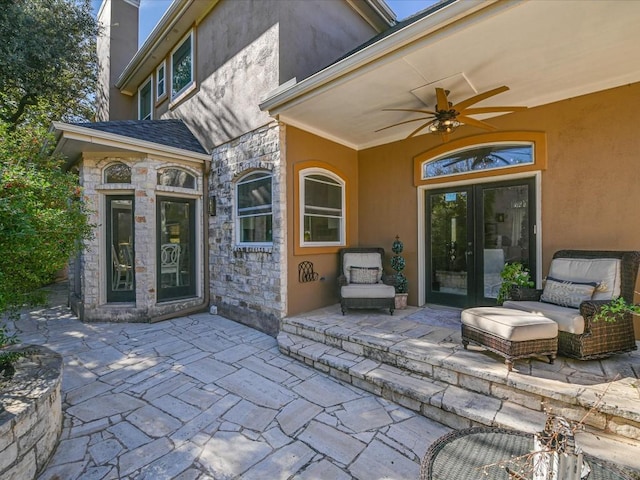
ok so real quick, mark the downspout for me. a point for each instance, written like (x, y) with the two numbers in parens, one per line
(204, 306)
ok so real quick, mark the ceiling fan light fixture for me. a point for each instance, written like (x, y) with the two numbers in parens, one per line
(444, 126)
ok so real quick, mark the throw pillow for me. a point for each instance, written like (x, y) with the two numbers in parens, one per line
(363, 274)
(566, 293)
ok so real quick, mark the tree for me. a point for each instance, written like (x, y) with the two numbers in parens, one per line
(42, 217)
(48, 64)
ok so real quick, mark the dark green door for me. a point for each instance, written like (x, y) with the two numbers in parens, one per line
(472, 231)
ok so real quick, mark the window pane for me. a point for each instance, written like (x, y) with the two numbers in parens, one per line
(479, 158)
(254, 194)
(120, 251)
(181, 67)
(321, 229)
(160, 82)
(117, 173)
(256, 229)
(320, 196)
(174, 177)
(145, 102)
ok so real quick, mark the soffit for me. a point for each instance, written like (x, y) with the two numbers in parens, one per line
(544, 51)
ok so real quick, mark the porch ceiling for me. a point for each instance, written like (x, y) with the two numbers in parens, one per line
(544, 51)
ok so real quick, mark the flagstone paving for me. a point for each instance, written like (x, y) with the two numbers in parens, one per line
(202, 397)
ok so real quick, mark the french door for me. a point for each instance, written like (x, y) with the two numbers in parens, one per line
(472, 231)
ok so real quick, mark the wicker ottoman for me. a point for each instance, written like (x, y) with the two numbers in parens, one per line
(510, 333)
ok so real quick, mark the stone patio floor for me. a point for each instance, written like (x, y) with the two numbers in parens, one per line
(202, 397)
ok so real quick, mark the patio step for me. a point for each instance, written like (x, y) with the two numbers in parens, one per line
(462, 388)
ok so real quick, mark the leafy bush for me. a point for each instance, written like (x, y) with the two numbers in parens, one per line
(616, 309)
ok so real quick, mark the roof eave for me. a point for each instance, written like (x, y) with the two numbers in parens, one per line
(65, 132)
(280, 99)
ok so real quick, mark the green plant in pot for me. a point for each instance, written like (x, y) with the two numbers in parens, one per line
(401, 284)
(513, 275)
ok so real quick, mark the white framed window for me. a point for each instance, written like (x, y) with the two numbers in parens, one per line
(322, 208)
(160, 81)
(182, 76)
(145, 104)
(254, 209)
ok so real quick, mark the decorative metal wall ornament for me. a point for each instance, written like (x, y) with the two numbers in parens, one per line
(306, 273)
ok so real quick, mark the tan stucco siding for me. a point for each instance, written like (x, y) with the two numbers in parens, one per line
(589, 191)
(309, 42)
(303, 149)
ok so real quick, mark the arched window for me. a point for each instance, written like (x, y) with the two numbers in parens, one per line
(117, 173)
(254, 208)
(322, 198)
(174, 177)
(483, 157)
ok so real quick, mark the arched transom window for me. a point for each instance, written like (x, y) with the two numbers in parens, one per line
(175, 177)
(117, 173)
(478, 158)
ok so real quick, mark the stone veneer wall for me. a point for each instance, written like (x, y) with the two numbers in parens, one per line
(88, 293)
(248, 284)
(30, 414)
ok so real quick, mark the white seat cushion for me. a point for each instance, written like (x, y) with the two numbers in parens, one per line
(514, 325)
(358, 290)
(568, 319)
(604, 271)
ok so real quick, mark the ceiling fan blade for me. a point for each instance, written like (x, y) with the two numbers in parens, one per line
(402, 123)
(476, 123)
(443, 102)
(477, 98)
(408, 110)
(480, 110)
(417, 130)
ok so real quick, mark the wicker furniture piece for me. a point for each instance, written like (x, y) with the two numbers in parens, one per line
(602, 338)
(470, 453)
(380, 294)
(513, 334)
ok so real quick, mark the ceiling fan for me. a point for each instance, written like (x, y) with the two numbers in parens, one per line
(447, 117)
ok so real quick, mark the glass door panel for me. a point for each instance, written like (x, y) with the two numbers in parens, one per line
(120, 252)
(449, 243)
(505, 232)
(176, 248)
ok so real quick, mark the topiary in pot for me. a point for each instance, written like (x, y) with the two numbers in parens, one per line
(401, 284)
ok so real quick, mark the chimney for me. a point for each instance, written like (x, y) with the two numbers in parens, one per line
(117, 43)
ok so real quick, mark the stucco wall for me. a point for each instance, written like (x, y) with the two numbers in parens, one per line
(589, 190)
(116, 45)
(304, 148)
(246, 49)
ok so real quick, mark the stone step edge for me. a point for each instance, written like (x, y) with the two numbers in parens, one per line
(441, 367)
(456, 406)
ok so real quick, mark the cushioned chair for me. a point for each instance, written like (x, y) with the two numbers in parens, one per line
(609, 274)
(362, 282)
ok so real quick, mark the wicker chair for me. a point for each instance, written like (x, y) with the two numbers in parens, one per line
(379, 293)
(600, 338)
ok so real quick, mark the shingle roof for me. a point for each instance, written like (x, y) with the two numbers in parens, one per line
(172, 133)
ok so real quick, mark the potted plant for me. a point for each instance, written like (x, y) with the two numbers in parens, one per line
(513, 275)
(616, 309)
(400, 283)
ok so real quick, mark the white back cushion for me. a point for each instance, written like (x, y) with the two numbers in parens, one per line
(366, 260)
(604, 271)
